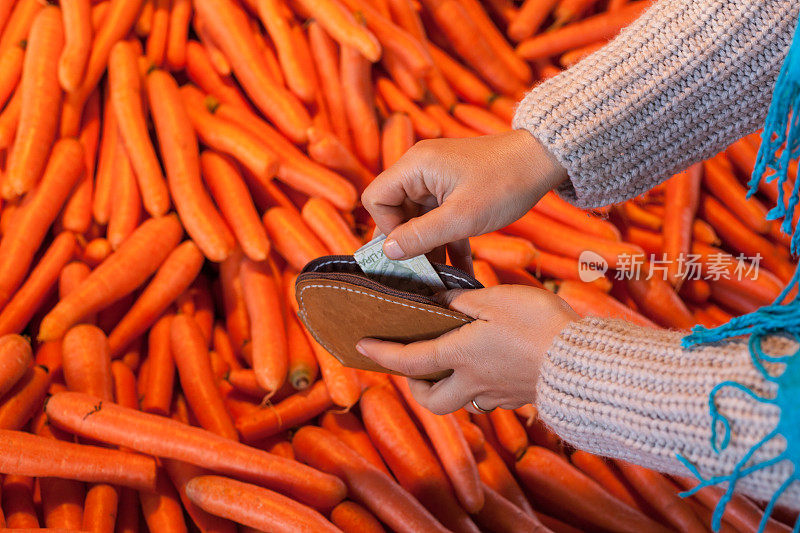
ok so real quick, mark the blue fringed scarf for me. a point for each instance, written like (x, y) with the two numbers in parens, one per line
(780, 144)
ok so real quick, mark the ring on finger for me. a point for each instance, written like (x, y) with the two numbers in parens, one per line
(479, 408)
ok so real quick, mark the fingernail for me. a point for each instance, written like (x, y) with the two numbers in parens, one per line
(361, 349)
(392, 250)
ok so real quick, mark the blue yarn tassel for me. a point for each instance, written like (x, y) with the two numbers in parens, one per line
(780, 144)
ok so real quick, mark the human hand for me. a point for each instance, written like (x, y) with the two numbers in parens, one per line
(443, 191)
(495, 359)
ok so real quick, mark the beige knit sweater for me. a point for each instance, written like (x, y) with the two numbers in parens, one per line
(678, 85)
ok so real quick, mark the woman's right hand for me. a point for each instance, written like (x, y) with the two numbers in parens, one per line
(443, 191)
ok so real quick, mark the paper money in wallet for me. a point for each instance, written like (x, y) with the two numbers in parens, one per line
(412, 275)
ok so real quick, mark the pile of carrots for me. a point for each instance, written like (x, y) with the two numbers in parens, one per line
(168, 166)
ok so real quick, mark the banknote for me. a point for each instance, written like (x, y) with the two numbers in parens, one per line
(413, 275)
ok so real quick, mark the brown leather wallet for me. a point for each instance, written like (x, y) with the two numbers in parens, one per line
(340, 305)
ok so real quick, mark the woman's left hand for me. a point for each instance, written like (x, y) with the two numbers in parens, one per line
(495, 359)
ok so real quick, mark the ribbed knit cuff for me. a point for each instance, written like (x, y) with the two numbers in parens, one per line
(630, 392)
(678, 85)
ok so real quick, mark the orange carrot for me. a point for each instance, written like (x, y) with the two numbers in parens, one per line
(291, 237)
(497, 42)
(589, 301)
(466, 38)
(178, 33)
(559, 267)
(484, 273)
(120, 17)
(125, 392)
(179, 150)
(22, 401)
(144, 432)
(87, 364)
(231, 195)
(41, 101)
(554, 207)
(18, 24)
(495, 473)
(77, 21)
(229, 138)
(509, 431)
(162, 508)
(180, 474)
(328, 224)
(215, 56)
(352, 518)
(296, 169)
(36, 213)
(500, 514)
(343, 27)
(236, 320)
(326, 60)
(503, 251)
(682, 195)
(18, 503)
(173, 277)
(600, 471)
(372, 488)
(62, 499)
(569, 10)
(28, 298)
(464, 82)
(517, 276)
(293, 411)
(157, 38)
(100, 509)
(349, 429)
(720, 180)
(425, 126)
(125, 92)
(227, 24)
(237, 501)
(10, 70)
(658, 301)
(552, 236)
(662, 496)
(586, 31)
(479, 119)
(9, 120)
(742, 239)
(397, 138)
(77, 213)
(297, 79)
(122, 272)
(556, 483)
(200, 70)
(190, 353)
(450, 126)
(303, 366)
(355, 76)
(127, 202)
(529, 18)
(410, 458)
(15, 358)
(268, 330)
(452, 449)
(326, 148)
(342, 382)
(161, 371)
(106, 163)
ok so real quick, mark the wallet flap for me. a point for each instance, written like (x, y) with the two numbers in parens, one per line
(339, 313)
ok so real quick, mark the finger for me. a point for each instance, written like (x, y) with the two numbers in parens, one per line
(471, 302)
(460, 255)
(395, 190)
(420, 235)
(483, 402)
(442, 397)
(415, 359)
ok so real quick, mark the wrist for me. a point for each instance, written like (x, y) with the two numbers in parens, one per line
(542, 170)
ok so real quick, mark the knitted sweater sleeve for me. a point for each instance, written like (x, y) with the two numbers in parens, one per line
(676, 86)
(630, 392)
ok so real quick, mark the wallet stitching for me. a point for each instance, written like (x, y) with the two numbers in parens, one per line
(380, 298)
(448, 274)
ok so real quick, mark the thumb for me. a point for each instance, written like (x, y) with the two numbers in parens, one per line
(420, 235)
